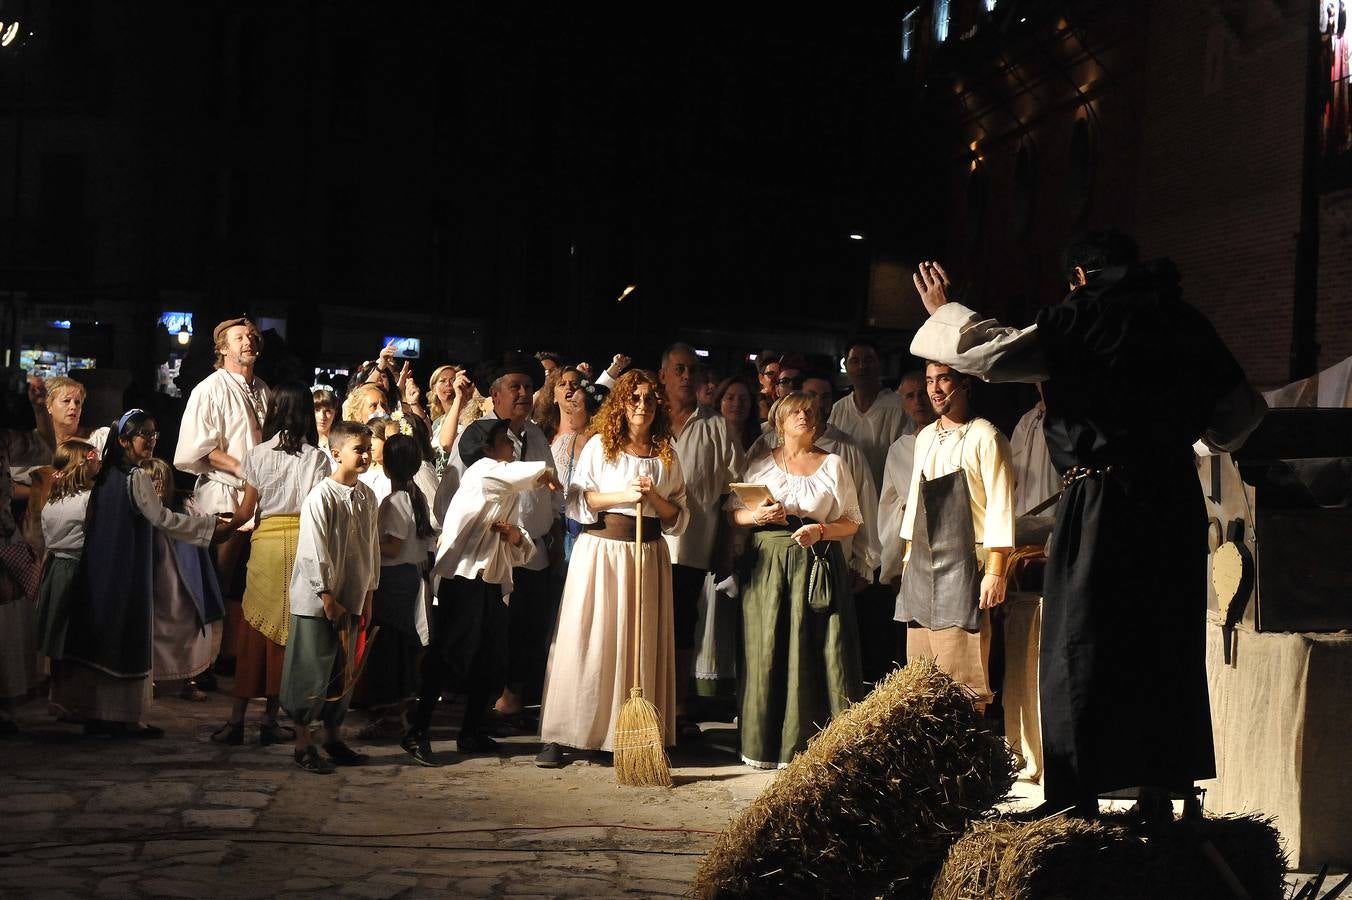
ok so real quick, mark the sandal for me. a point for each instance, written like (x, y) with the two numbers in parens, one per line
(344, 755)
(231, 733)
(270, 733)
(310, 760)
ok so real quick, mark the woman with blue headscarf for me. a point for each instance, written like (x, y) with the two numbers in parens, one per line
(109, 641)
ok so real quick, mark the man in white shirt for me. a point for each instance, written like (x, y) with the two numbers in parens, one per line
(897, 476)
(914, 401)
(959, 523)
(710, 460)
(510, 384)
(222, 422)
(1036, 479)
(872, 416)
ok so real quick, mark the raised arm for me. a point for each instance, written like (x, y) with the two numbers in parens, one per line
(959, 337)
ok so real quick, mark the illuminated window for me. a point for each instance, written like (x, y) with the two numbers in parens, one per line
(990, 5)
(908, 34)
(941, 20)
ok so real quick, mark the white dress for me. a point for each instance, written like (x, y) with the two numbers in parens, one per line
(591, 658)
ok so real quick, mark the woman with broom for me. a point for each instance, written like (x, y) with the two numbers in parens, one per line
(800, 636)
(599, 653)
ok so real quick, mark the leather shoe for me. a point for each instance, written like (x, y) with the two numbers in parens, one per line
(420, 748)
(550, 756)
(476, 743)
(344, 755)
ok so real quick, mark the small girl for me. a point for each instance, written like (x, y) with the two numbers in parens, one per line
(75, 464)
(375, 477)
(188, 604)
(391, 675)
(326, 407)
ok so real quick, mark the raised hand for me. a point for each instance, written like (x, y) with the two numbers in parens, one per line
(932, 282)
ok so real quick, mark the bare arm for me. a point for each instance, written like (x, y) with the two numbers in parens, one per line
(462, 389)
(223, 462)
(248, 505)
(768, 513)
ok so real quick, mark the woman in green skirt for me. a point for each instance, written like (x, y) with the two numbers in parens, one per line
(799, 634)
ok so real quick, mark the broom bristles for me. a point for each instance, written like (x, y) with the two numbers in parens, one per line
(640, 758)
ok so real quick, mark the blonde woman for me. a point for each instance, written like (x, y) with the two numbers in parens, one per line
(800, 646)
(449, 394)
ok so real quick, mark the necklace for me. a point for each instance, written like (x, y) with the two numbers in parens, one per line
(941, 433)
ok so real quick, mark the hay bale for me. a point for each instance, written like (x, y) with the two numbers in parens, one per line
(874, 801)
(1065, 857)
(1109, 860)
(973, 862)
(1250, 846)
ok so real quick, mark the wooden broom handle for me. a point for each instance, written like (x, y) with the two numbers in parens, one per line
(638, 593)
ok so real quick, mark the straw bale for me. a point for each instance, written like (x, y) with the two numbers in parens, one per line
(1109, 859)
(872, 804)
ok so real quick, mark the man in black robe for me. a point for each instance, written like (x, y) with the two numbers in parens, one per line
(1122, 679)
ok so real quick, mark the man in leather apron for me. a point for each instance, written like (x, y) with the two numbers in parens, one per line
(960, 524)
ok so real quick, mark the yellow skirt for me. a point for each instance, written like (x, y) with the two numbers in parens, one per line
(267, 595)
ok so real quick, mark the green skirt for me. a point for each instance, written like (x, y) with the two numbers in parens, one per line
(54, 598)
(801, 667)
(315, 670)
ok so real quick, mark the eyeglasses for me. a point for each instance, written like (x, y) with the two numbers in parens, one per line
(784, 382)
(147, 435)
(643, 400)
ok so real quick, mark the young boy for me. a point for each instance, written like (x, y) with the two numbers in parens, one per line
(481, 540)
(336, 572)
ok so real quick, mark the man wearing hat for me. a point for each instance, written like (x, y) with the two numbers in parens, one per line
(510, 383)
(222, 422)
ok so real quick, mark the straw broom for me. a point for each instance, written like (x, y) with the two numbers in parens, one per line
(640, 757)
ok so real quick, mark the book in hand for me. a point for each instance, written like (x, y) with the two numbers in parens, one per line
(752, 495)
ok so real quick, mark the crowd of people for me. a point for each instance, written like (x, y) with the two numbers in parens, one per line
(527, 532)
(476, 534)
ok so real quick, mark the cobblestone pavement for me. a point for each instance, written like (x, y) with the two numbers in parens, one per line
(183, 817)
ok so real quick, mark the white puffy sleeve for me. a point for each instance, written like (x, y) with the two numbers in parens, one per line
(959, 337)
(314, 570)
(865, 552)
(846, 494)
(200, 431)
(997, 476)
(512, 477)
(892, 503)
(586, 477)
(672, 486)
(196, 530)
(396, 516)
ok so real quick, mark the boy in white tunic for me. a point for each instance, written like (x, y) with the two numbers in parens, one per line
(336, 573)
(482, 541)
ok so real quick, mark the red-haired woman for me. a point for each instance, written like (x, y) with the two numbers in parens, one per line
(591, 660)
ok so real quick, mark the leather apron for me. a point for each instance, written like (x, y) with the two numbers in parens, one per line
(941, 585)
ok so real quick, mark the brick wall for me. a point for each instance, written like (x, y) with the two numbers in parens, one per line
(1219, 186)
